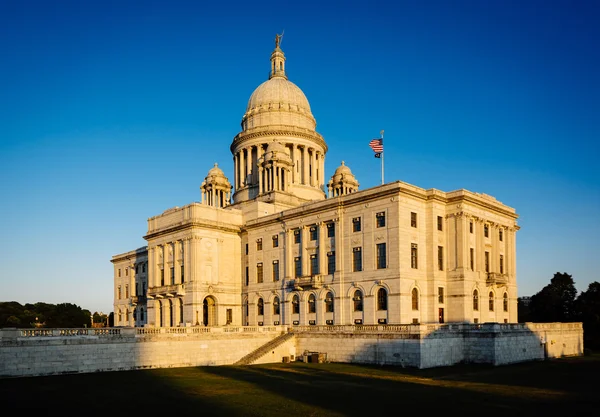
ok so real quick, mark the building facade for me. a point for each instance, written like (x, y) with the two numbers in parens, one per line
(273, 248)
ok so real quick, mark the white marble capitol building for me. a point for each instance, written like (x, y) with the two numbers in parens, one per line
(271, 247)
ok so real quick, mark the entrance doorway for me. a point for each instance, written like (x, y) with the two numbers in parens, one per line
(209, 311)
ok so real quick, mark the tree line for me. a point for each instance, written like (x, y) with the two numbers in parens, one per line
(64, 315)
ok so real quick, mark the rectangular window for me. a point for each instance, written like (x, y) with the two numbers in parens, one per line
(470, 227)
(314, 264)
(356, 259)
(144, 289)
(297, 236)
(258, 244)
(441, 258)
(441, 295)
(172, 275)
(127, 271)
(356, 224)
(143, 267)
(162, 277)
(275, 241)
(229, 316)
(275, 270)
(259, 272)
(246, 249)
(126, 291)
(182, 274)
(501, 264)
(486, 230)
(119, 271)
(314, 232)
(247, 276)
(414, 256)
(487, 261)
(297, 267)
(440, 225)
(500, 235)
(380, 217)
(381, 256)
(472, 258)
(330, 229)
(119, 292)
(413, 219)
(330, 263)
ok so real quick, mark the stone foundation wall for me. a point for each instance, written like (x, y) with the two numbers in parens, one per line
(29, 352)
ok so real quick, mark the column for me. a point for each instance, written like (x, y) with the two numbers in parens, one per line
(242, 170)
(248, 164)
(294, 151)
(313, 165)
(305, 165)
(193, 267)
(288, 254)
(260, 180)
(304, 252)
(235, 172)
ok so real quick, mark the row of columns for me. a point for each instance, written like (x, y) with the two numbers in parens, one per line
(215, 196)
(308, 169)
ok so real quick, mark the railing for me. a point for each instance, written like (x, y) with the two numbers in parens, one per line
(497, 278)
(166, 291)
(311, 281)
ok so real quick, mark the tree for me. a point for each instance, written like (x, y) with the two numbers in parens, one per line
(556, 301)
(588, 309)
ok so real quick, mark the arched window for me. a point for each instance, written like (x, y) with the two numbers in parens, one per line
(311, 304)
(246, 312)
(415, 299)
(475, 300)
(505, 302)
(358, 300)
(329, 302)
(382, 299)
(276, 306)
(295, 304)
(260, 306)
(491, 301)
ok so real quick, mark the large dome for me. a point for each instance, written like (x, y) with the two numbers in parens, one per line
(278, 91)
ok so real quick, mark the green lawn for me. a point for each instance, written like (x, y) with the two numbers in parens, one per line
(563, 387)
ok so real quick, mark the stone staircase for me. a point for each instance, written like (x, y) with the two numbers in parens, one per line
(264, 349)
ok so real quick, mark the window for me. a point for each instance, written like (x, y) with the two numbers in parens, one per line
(487, 261)
(142, 314)
(356, 259)
(162, 277)
(475, 300)
(330, 229)
(413, 219)
(172, 275)
(247, 276)
(259, 272)
(229, 316)
(505, 302)
(380, 219)
(441, 295)
(258, 244)
(311, 304)
(119, 293)
(314, 233)
(245, 309)
(471, 258)
(126, 291)
(144, 289)
(415, 299)
(471, 227)
(297, 267)
(501, 264)
(275, 270)
(358, 300)
(491, 301)
(297, 236)
(381, 256)
(314, 264)
(295, 304)
(260, 307)
(330, 263)
(182, 274)
(440, 225)
(441, 258)
(127, 271)
(275, 241)
(381, 299)
(500, 233)
(276, 307)
(414, 254)
(143, 267)
(246, 249)
(119, 272)
(486, 230)
(329, 302)
(356, 224)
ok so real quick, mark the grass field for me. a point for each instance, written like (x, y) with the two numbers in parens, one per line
(562, 387)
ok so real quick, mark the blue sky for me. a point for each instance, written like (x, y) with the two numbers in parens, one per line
(112, 112)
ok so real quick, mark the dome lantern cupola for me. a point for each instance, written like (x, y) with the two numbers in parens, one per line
(342, 182)
(277, 60)
(216, 188)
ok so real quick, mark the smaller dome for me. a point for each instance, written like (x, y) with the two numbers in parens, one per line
(215, 171)
(342, 169)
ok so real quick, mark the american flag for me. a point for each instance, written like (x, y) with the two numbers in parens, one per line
(376, 145)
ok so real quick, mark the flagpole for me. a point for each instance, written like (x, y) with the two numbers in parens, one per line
(382, 153)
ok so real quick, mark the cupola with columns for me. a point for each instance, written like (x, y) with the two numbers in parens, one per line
(342, 182)
(278, 155)
(216, 188)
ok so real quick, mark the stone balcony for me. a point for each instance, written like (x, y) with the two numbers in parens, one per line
(307, 282)
(138, 299)
(165, 291)
(496, 278)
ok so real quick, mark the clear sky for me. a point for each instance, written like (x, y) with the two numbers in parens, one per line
(113, 111)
